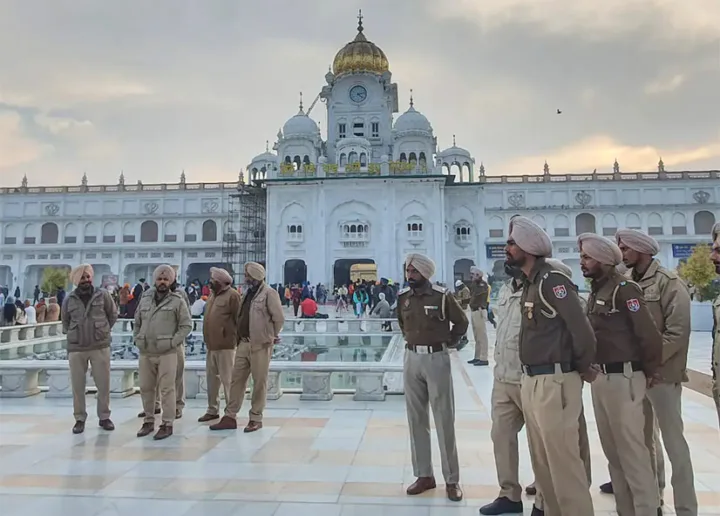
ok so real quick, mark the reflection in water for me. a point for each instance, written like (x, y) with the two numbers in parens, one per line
(305, 348)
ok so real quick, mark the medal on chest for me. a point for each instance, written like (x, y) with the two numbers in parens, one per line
(529, 307)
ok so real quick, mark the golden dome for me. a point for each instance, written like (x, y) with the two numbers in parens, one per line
(360, 55)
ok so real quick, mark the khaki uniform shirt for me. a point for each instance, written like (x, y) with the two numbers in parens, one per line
(508, 314)
(463, 297)
(624, 329)
(160, 327)
(425, 315)
(88, 326)
(668, 299)
(555, 328)
(480, 292)
(220, 323)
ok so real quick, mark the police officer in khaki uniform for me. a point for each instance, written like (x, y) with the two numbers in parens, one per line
(480, 292)
(629, 349)
(462, 294)
(557, 349)
(716, 319)
(425, 315)
(669, 302)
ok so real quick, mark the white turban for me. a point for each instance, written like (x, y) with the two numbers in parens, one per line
(381, 296)
(600, 249)
(638, 241)
(559, 266)
(255, 271)
(458, 283)
(715, 231)
(530, 237)
(424, 265)
(164, 271)
(220, 275)
(77, 273)
(475, 270)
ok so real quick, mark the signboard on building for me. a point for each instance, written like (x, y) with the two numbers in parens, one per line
(682, 250)
(495, 251)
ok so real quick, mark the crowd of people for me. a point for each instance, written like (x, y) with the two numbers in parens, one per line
(15, 311)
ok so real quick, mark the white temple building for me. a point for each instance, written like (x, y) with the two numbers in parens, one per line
(376, 188)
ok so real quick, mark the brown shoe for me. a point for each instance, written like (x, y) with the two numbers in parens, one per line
(146, 429)
(253, 426)
(178, 414)
(454, 493)
(163, 432)
(79, 427)
(421, 485)
(142, 414)
(108, 425)
(226, 423)
(207, 417)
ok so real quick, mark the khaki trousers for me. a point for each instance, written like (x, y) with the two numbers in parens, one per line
(250, 360)
(584, 443)
(477, 318)
(179, 382)
(157, 373)
(716, 396)
(99, 360)
(552, 405)
(654, 445)
(618, 403)
(666, 399)
(428, 385)
(219, 372)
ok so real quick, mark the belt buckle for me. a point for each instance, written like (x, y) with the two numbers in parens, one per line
(422, 350)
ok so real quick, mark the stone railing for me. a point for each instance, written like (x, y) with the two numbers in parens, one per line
(29, 331)
(21, 378)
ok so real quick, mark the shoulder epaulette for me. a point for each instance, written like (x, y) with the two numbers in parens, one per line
(559, 273)
(438, 288)
(404, 291)
(668, 273)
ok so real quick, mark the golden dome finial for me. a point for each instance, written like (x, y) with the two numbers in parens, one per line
(360, 19)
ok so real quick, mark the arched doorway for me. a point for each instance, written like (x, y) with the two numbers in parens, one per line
(461, 269)
(341, 269)
(295, 272)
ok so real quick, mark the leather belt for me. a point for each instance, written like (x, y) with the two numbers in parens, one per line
(537, 370)
(426, 350)
(619, 367)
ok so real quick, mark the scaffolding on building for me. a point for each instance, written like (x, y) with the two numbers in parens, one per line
(244, 239)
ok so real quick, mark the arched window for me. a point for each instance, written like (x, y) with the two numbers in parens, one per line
(363, 159)
(297, 163)
(412, 158)
(610, 226)
(11, 235)
(128, 232)
(655, 224)
(295, 232)
(91, 233)
(496, 227)
(423, 159)
(170, 232)
(149, 231)
(287, 159)
(415, 230)
(49, 233)
(190, 231)
(108, 233)
(585, 223)
(703, 221)
(679, 224)
(70, 233)
(353, 157)
(403, 157)
(561, 226)
(343, 159)
(306, 159)
(632, 221)
(463, 233)
(209, 231)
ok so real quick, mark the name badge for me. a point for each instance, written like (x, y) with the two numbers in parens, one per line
(528, 304)
(428, 308)
(600, 302)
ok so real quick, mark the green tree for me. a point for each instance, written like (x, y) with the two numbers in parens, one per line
(699, 270)
(53, 279)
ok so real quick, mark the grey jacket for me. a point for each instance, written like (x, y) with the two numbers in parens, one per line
(88, 327)
(161, 327)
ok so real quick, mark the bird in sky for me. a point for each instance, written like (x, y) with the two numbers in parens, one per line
(559, 112)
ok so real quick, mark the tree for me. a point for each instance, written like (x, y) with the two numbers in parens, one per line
(699, 270)
(53, 279)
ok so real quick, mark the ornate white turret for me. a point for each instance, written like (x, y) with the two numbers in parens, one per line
(413, 139)
(458, 162)
(263, 165)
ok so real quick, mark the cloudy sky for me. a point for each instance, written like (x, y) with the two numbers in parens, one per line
(156, 87)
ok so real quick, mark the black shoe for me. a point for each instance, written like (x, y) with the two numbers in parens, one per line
(502, 505)
(531, 490)
(607, 488)
(79, 427)
(537, 512)
(659, 513)
(481, 363)
(108, 425)
(472, 361)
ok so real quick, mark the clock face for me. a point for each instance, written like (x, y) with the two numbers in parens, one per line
(358, 93)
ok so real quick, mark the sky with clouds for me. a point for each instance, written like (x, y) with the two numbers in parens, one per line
(154, 88)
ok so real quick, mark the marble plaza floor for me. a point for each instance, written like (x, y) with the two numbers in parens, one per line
(336, 458)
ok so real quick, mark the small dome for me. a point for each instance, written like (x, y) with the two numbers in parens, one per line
(412, 120)
(360, 55)
(265, 156)
(300, 124)
(455, 151)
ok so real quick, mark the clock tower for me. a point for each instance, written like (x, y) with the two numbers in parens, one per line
(361, 100)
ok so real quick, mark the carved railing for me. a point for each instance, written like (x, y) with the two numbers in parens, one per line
(22, 378)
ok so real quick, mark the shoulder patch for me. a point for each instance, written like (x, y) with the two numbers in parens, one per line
(438, 288)
(560, 291)
(404, 291)
(633, 304)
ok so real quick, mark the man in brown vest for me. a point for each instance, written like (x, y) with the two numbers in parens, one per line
(220, 332)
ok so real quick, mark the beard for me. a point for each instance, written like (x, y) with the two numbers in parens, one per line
(417, 283)
(85, 286)
(162, 288)
(252, 284)
(512, 270)
(511, 261)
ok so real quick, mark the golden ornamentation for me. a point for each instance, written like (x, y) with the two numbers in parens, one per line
(352, 167)
(330, 169)
(309, 168)
(287, 169)
(374, 169)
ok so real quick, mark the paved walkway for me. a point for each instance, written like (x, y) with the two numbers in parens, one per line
(337, 458)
